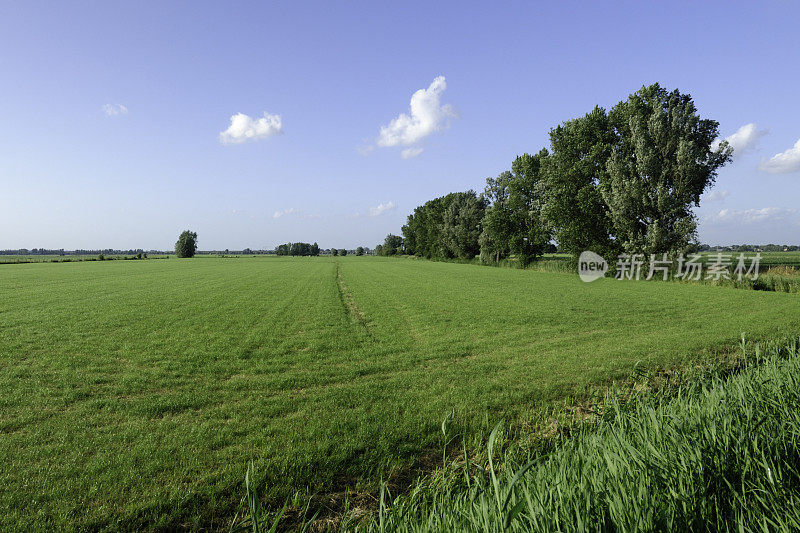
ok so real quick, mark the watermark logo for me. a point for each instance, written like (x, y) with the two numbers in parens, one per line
(591, 266)
(717, 267)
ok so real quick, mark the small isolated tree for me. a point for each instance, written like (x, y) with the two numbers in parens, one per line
(379, 249)
(343, 252)
(360, 250)
(187, 244)
(334, 252)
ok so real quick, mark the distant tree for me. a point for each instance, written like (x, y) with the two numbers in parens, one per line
(379, 249)
(525, 200)
(342, 252)
(392, 245)
(314, 249)
(187, 244)
(334, 252)
(426, 234)
(498, 225)
(360, 250)
(282, 249)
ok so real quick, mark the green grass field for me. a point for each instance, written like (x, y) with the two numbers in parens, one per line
(135, 392)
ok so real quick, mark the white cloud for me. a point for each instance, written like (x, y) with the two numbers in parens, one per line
(784, 162)
(295, 212)
(113, 110)
(753, 216)
(290, 211)
(744, 139)
(365, 150)
(245, 128)
(427, 115)
(381, 209)
(408, 153)
(716, 196)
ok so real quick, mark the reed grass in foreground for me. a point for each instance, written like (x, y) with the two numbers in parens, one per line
(718, 454)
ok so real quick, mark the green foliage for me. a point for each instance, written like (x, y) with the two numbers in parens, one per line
(575, 177)
(392, 245)
(334, 252)
(297, 249)
(660, 165)
(626, 180)
(445, 227)
(530, 232)
(461, 225)
(342, 252)
(187, 244)
(360, 250)
(498, 223)
(379, 249)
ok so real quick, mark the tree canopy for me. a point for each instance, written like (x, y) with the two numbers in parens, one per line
(619, 181)
(187, 244)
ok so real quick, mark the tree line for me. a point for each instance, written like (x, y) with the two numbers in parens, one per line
(617, 181)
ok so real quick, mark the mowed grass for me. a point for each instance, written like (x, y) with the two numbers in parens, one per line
(134, 393)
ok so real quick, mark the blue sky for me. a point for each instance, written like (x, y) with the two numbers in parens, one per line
(113, 114)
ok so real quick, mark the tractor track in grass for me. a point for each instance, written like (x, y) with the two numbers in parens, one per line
(354, 313)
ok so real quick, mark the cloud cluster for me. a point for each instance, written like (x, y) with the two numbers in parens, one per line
(294, 212)
(784, 162)
(113, 110)
(426, 115)
(408, 153)
(380, 209)
(246, 128)
(716, 196)
(290, 211)
(752, 216)
(744, 139)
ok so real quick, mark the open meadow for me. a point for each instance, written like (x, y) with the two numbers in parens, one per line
(136, 392)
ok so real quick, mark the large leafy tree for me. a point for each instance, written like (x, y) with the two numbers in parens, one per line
(575, 175)
(392, 245)
(435, 230)
(461, 224)
(531, 232)
(187, 244)
(498, 224)
(422, 233)
(663, 160)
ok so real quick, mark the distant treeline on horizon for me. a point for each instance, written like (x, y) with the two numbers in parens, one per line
(366, 251)
(278, 250)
